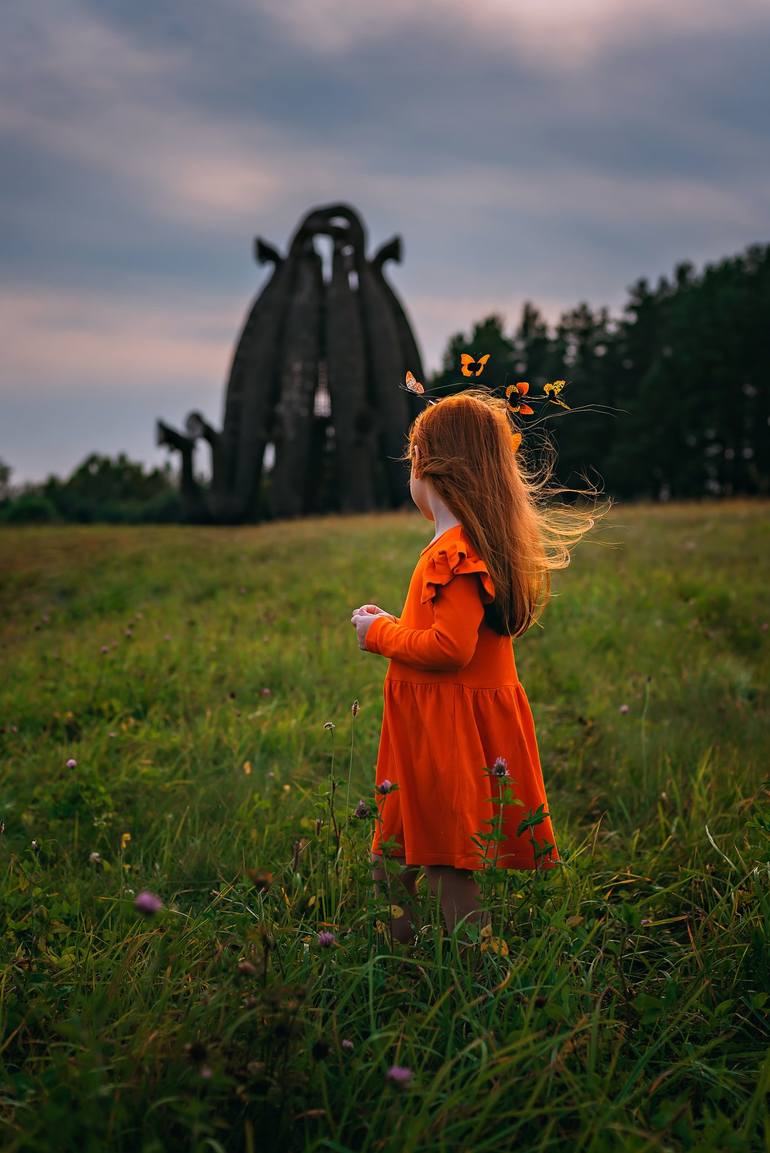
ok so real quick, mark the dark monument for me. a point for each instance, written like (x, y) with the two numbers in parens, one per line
(315, 373)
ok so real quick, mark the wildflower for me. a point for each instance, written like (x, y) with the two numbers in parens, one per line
(347, 1045)
(330, 725)
(355, 708)
(500, 767)
(247, 768)
(128, 632)
(385, 786)
(623, 709)
(35, 846)
(147, 903)
(95, 858)
(71, 763)
(362, 810)
(326, 939)
(266, 692)
(247, 968)
(125, 838)
(399, 1074)
(105, 649)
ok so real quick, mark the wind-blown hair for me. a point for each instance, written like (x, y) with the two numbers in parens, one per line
(463, 444)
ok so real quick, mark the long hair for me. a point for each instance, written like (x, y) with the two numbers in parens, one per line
(463, 444)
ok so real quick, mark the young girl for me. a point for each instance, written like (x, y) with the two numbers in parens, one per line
(453, 703)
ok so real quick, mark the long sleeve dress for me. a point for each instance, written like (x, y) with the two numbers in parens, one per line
(453, 704)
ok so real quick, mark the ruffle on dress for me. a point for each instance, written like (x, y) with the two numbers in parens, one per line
(451, 560)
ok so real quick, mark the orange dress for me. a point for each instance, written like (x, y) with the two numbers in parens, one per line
(453, 704)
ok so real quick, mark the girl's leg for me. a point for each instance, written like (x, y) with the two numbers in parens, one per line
(459, 895)
(403, 929)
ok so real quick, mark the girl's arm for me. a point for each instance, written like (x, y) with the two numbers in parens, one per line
(449, 644)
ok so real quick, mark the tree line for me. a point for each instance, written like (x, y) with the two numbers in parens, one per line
(680, 382)
(671, 400)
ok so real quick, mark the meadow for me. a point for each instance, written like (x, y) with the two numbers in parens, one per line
(185, 713)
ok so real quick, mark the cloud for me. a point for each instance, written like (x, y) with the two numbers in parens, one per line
(54, 341)
(562, 35)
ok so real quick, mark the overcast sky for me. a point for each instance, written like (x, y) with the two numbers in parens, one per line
(553, 152)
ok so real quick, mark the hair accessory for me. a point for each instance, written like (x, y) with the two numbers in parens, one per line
(517, 396)
(467, 364)
(519, 391)
(413, 384)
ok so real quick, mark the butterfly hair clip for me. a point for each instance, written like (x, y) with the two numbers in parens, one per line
(517, 396)
(471, 367)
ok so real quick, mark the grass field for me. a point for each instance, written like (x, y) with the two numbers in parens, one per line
(189, 673)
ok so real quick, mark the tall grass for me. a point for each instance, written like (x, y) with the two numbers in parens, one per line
(203, 682)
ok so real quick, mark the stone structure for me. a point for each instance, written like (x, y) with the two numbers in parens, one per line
(316, 373)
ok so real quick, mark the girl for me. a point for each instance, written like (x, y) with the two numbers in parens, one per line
(453, 703)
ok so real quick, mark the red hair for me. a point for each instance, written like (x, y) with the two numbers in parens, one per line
(464, 447)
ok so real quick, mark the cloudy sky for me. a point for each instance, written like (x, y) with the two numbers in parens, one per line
(553, 152)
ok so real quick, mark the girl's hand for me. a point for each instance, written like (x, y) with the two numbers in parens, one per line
(369, 609)
(362, 621)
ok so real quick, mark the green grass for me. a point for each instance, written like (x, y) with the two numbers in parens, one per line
(631, 1009)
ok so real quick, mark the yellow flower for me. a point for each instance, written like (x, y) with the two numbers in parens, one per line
(247, 768)
(125, 838)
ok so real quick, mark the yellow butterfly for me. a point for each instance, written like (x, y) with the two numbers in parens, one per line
(552, 391)
(413, 384)
(467, 363)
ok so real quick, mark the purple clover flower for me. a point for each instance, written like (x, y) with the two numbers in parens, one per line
(500, 767)
(147, 903)
(399, 1074)
(385, 786)
(72, 763)
(361, 810)
(326, 939)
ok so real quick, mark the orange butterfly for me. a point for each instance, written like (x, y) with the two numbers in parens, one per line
(413, 384)
(467, 362)
(552, 391)
(520, 389)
